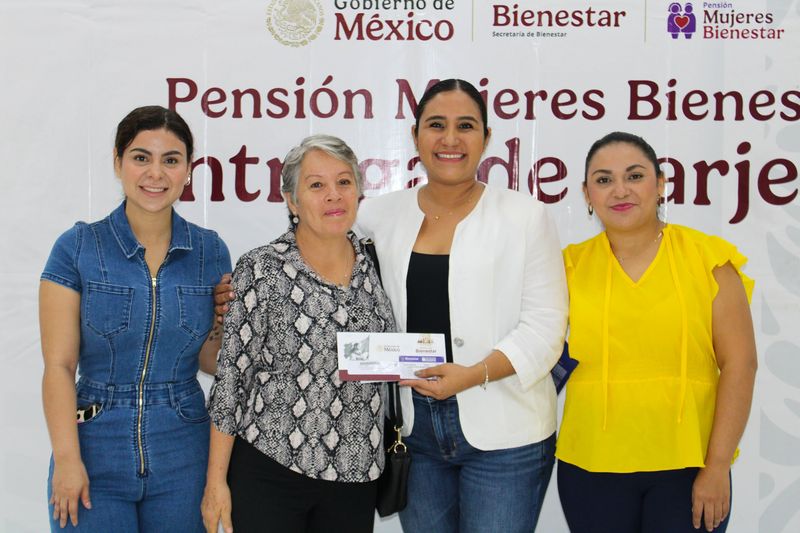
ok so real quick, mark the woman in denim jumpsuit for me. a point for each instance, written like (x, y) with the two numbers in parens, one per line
(127, 302)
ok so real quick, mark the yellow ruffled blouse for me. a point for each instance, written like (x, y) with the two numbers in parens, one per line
(642, 397)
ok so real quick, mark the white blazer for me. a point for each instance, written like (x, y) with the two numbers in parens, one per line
(508, 292)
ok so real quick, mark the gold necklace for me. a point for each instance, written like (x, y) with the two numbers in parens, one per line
(339, 275)
(466, 201)
(640, 252)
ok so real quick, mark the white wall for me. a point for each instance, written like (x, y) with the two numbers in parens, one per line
(72, 69)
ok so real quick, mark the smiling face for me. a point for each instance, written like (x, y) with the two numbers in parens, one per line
(623, 187)
(327, 196)
(153, 170)
(450, 138)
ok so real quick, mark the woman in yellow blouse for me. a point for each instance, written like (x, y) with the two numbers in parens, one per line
(660, 321)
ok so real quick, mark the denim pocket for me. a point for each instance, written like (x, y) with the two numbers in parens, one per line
(192, 408)
(94, 419)
(107, 308)
(84, 400)
(196, 308)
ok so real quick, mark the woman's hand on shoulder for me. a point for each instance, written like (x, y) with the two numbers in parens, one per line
(443, 381)
(70, 485)
(711, 494)
(216, 507)
(223, 295)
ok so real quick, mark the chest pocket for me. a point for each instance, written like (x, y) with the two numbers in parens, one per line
(196, 308)
(107, 308)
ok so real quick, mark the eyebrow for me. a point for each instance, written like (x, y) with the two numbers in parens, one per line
(342, 173)
(148, 152)
(606, 171)
(442, 117)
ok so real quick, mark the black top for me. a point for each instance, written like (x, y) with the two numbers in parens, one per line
(428, 299)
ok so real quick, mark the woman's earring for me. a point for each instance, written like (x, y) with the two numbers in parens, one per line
(188, 179)
(590, 210)
(295, 220)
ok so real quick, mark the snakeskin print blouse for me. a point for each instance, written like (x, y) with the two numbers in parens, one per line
(277, 385)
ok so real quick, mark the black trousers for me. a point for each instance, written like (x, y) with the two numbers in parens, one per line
(639, 502)
(268, 497)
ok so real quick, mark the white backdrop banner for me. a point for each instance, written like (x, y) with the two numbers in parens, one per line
(712, 85)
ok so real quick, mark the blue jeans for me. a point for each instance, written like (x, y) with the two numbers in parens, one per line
(456, 488)
(166, 497)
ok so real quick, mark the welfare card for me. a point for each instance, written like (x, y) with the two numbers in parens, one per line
(367, 356)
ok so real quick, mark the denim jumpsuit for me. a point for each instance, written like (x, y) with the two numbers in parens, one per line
(146, 449)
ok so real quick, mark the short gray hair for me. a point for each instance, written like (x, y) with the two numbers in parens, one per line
(333, 146)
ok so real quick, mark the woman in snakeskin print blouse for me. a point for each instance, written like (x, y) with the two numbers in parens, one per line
(293, 448)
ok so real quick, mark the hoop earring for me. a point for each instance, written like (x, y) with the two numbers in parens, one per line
(188, 179)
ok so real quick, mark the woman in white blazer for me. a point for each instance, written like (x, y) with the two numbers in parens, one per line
(482, 265)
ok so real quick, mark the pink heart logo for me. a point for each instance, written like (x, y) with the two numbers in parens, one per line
(681, 21)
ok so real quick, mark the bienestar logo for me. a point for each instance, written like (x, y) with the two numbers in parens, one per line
(514, 16)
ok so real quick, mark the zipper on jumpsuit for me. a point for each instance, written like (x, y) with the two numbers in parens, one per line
(140, 399)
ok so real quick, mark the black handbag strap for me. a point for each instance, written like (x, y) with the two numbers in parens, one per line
(369, 247)
(395, 407)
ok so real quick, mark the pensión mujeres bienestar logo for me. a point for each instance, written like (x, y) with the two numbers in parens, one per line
(681, 20)
(720, 21)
